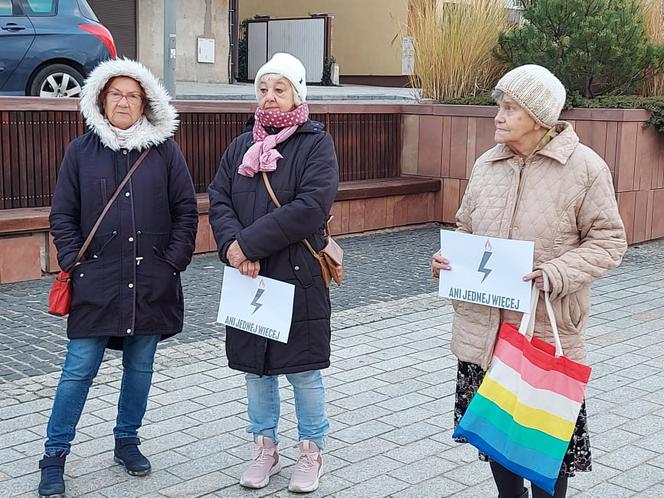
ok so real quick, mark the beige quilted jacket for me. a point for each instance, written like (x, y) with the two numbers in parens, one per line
(562, 198)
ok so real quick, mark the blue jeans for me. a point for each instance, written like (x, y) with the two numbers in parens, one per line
(81, 366)
(263, 405)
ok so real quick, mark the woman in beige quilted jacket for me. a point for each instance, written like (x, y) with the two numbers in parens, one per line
(538, 183)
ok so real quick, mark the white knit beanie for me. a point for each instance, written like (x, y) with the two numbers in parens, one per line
(537, 90)
(290, 68)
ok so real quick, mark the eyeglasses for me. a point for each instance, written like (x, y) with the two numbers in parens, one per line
(132, 98)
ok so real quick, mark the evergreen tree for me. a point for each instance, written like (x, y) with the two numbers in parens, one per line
(595, 47)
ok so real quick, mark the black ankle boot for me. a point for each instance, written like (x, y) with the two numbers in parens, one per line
(523, 494)
(52, 483)
(127, 453)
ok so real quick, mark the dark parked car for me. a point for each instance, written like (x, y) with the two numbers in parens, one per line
(47, 47)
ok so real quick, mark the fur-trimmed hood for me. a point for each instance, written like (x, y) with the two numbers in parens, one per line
(161, 117)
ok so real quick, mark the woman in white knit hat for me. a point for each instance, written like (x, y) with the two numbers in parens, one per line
(538, 183)
(259, 236)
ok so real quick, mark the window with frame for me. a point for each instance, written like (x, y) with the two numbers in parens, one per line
(6, 8)
(40, 7)
(86, 10)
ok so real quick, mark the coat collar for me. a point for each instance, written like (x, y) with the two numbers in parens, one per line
(309, 127)
(560, 148)
(161, 116)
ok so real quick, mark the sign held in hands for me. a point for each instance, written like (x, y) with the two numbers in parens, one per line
(261, 305)
(486, 270)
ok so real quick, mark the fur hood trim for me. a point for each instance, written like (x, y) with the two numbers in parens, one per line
(161, 116)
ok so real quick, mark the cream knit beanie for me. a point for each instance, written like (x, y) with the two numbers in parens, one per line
(537, 90)
(289, 67)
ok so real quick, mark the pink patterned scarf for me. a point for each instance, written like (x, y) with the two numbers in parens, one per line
(262, 155)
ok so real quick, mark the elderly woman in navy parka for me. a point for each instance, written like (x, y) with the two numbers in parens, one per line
(255, 236)
(126, 291)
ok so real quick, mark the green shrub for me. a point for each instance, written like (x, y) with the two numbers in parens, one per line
(595, 47)
(653, 104)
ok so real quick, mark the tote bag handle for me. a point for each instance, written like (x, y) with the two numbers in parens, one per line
(527, 325)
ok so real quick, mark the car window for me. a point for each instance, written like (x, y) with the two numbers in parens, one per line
(39, 7)
(86, 10)
(6, 8)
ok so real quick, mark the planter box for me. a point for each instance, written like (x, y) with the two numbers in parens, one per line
(443, 141)
(403, 165)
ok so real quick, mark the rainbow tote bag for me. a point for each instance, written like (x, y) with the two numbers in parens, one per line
(525, 410)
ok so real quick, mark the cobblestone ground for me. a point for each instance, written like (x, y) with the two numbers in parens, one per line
(390, 390)
(383, 267)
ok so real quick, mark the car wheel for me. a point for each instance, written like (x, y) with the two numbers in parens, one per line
(57, 80)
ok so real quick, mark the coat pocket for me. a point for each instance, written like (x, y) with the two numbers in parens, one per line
(100, 243)
(158, 254)
(570, 313)
(160, 282)
(90, 285)
(103, 191)
(94, 194)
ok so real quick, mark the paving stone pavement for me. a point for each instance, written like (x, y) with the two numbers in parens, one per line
(390, 391)
(32, 342)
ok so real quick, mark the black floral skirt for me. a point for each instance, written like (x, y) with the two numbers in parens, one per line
(577, 458)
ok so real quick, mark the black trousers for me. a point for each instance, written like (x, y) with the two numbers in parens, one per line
(510, 485)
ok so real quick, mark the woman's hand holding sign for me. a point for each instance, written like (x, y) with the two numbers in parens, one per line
(537, 277)
(238, 260)
(439, 263)
(235, 255)
(250, 268)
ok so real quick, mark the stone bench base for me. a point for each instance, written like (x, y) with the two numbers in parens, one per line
(27, 250)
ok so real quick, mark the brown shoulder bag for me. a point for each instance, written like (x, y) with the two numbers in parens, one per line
(330, 258)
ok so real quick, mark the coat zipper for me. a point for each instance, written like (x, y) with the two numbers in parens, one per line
(134, 249)
(519, 191)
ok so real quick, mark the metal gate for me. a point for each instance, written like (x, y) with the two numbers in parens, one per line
(119, 16)
(307, 38)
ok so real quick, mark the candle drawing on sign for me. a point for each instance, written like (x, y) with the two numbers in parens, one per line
(259, 293)
(485, 259)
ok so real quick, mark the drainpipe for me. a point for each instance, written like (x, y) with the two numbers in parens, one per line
(169, 46)
(234, 38)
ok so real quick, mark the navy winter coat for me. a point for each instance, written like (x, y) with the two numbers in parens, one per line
(305, 182)
(129, 280)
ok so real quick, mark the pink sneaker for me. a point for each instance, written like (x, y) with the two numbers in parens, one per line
(265, 463)
(308, 469)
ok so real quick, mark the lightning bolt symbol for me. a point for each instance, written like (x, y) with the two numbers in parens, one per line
(482, 268)
(255, 302)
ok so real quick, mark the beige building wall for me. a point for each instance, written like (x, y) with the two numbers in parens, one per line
(366, 34)
(195, 19)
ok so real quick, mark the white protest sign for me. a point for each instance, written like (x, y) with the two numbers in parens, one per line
(486, 270)
(261, 305)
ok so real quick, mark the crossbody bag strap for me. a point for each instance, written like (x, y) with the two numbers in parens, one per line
(97, 224)
(273, 196)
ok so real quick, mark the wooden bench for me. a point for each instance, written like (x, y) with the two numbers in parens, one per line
(27, 250)
(22, 220)
(22, 243)
(26, 247)
(387, 203)
(361, 206)
(385, 187)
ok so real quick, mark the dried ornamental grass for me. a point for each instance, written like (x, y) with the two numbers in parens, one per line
(653, 11)
(453, 46)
